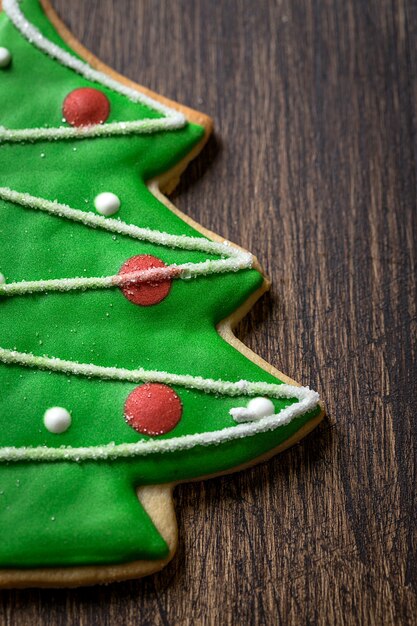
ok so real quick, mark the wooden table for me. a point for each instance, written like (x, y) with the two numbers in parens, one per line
(313, 168)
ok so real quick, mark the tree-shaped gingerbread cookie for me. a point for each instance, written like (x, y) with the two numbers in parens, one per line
(119, 372)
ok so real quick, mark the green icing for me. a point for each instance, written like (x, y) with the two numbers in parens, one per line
(87, 513)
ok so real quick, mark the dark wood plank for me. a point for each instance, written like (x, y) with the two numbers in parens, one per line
(313, 169)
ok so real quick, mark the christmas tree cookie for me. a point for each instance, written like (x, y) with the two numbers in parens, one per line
(119, 373)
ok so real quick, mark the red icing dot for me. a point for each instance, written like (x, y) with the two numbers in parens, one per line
(149, 293)
(153, 409)
(86, 106)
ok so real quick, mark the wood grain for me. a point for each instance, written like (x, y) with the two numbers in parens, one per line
(314, 170)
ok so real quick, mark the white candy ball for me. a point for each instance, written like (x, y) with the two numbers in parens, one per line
(107, 203)
(2, 279)
(5, 57)
(57, 420)
(261, 407)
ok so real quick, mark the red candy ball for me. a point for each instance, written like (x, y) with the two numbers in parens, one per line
(153, 409)
(149, 293)
(85, 107)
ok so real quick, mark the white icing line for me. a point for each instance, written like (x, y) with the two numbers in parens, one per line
(237, 259)
(308, 400)
(208, 385)
(155, 275)
(153, 446)
(184, 271)
(99, 130)
(173, 120)
(197, 244)
(35, 37)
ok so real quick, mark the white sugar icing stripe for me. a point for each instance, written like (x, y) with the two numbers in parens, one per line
(173, 119)
(308, 400)
(99, 130)
(208, 385)
(35, 37)
(236, 259)
(184, 271)
(152, 446)
(196, 244)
